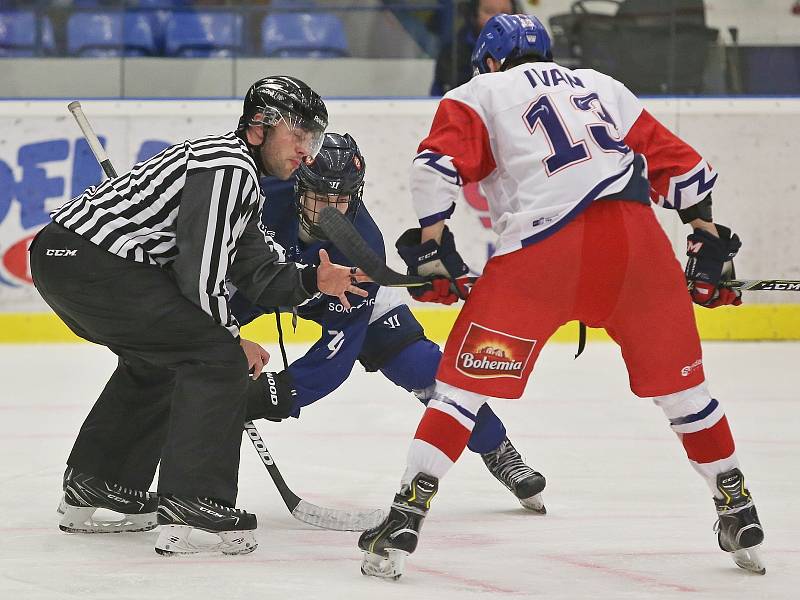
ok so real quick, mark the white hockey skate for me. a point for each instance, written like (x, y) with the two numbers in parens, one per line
(85, 494)
(173, 540)
(82, 519)
(738, 529)
(178, 517)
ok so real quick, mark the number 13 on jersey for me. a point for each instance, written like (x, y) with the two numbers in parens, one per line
(566, 151)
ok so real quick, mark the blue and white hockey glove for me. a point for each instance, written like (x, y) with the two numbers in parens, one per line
(441, 262)
(710, 258)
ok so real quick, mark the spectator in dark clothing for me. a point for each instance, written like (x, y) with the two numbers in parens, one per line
(453, 63)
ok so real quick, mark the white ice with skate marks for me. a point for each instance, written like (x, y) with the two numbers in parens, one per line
(627, 516)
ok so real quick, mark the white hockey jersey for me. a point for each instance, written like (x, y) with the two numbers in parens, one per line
(545, 141)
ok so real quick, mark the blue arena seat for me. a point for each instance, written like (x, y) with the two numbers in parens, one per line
(304, 5)
(203, 34)
(109, 34)
(18, 34)
(297, 34)
(128, 4)
(164, 4)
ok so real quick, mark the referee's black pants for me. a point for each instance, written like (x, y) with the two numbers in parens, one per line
(181, 387)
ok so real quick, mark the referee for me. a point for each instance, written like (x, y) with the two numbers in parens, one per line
(139, 264)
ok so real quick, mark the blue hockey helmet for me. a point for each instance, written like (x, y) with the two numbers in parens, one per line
(506, 37)
(335, 177)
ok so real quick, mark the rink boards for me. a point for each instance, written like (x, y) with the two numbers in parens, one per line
(746, 322)
(750, 142)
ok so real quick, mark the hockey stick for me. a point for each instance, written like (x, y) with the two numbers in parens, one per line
(347, 239)
(327, 518)
(91, 138)
(763, 285)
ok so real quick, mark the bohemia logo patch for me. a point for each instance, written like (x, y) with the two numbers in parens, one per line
(488, 353)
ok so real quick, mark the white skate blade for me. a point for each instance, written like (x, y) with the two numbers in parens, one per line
(749, 560)
(534, 504)
(81, 519)
(173, 540)
(385, 567)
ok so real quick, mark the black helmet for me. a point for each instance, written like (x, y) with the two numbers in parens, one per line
(280, 97)
(337, 173)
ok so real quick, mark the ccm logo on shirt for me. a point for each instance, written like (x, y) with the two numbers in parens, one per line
(488, 353)
(60, 252)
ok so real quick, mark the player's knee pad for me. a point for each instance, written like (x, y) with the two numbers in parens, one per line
(691, 410)
(414, 368)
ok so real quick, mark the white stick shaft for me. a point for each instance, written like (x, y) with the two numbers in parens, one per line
(91, 138)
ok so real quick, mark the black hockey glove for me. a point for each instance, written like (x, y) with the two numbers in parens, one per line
(711, 260)
(276, 399)
(441, 262)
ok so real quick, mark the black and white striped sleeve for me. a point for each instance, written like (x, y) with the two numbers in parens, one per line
(213, 213)
(259, 273)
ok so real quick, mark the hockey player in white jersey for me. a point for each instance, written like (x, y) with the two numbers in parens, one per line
(570, 162)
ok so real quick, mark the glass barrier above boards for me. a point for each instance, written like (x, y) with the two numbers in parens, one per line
(655, 47)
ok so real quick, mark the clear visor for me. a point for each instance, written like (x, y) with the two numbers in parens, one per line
(309, 135)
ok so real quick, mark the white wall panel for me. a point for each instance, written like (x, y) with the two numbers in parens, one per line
(752, 143)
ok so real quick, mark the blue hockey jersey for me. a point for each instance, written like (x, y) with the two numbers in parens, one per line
(328, 363)
(393, 343)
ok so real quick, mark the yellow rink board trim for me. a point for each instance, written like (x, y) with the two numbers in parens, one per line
(746, 322)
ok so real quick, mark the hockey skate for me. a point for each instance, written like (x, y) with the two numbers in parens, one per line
(738, 528)
(179, 516)
(387, 545)
(85, 494)
(506, 464)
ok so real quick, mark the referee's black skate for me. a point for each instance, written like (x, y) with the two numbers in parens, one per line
(506, 464)
(738, 528)
(387, 545)
(84, 494)
(178, 516)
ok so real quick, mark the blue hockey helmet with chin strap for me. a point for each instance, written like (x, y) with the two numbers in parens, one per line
(506, 37)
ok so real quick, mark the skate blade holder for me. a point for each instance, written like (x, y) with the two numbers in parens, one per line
(84, 519)
(534, 504)
(173, 540)
(390, 566)
(749, 559)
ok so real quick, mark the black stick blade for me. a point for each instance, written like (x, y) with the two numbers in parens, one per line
(346, 238)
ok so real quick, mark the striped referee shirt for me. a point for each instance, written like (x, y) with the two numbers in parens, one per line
(193, 209)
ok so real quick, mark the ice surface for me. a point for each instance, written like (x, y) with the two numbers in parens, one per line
(627, 516)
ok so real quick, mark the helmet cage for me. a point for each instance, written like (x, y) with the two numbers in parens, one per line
(310, 203)
(334, 178)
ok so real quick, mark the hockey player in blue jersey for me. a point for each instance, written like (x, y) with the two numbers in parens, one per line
(379, 331)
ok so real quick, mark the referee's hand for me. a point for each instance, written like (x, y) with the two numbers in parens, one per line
(336, 280)
(257, 357)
